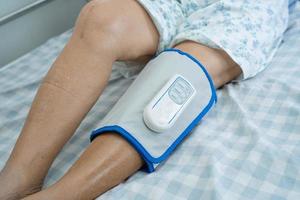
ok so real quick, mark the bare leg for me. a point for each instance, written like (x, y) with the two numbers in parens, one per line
(72, 86)
(110, 159)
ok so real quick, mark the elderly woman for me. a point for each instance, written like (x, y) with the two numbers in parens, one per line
(232, 39)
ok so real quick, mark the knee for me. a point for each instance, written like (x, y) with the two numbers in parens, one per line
(99, 25)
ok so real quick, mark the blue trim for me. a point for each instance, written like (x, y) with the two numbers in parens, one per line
(118, 129)
(150, 160)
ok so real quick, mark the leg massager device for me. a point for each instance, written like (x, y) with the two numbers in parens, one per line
(162, 106)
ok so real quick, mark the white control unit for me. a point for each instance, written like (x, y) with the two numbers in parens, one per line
(165, 108)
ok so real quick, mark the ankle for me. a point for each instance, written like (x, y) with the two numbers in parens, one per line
(21, 175)
(15, 184)
(55, 192)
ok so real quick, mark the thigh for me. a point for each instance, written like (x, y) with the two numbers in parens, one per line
(249, 32)
(167, 15)
(191, 6)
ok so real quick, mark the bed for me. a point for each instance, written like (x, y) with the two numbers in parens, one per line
(248, 147)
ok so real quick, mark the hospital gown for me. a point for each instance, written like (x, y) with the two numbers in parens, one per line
(249, 31)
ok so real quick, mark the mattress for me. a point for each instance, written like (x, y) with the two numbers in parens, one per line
(248, 147)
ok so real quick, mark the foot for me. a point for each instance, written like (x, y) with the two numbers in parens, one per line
(15, 185)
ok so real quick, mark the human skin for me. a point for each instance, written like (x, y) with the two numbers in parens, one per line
(106, 31)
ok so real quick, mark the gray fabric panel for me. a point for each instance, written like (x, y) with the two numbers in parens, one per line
(128, 111)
